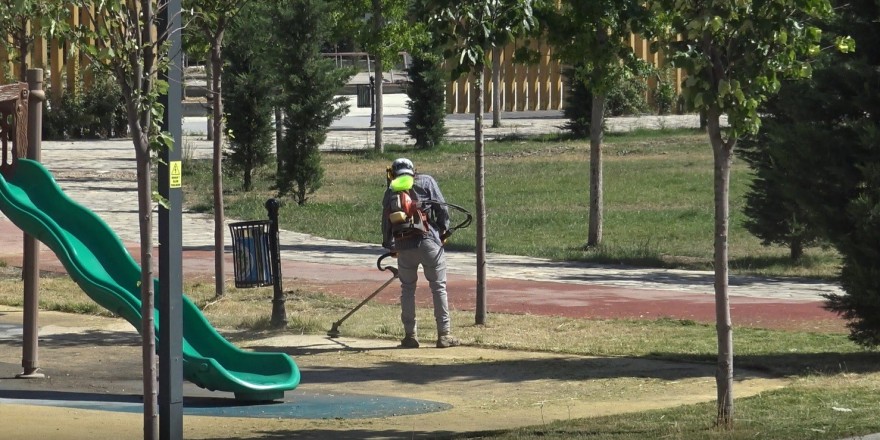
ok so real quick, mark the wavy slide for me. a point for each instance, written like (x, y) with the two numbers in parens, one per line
(96, 259)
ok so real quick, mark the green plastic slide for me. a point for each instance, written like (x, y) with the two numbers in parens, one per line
(97, 260)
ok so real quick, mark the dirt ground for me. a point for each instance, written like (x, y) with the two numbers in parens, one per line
(475, 389)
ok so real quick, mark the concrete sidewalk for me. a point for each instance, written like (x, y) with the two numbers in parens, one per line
(353, 131)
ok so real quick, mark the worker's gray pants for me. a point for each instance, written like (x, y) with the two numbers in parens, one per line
(431, 256)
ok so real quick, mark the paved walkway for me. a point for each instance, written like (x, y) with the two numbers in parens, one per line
(101, 176)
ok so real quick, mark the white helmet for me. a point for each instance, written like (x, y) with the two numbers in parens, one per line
(402, 166)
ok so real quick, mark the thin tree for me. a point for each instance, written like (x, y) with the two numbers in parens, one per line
(735, 54)
(212, 18)
(468, 30)
(593, 36)
(505, 21)
(382, 29)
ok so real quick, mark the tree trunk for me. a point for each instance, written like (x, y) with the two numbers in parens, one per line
(379, 145)
(796, 249)
(724, 327)
(279, 134)
(219, 215)
(597, 120)
(209, 81)
(23, 43)
(496, 87)
(480, 194)
(378, 22)
(148, 320)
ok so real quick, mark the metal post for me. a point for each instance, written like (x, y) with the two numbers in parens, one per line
(31, 258)
(170, 238)
(279, 313)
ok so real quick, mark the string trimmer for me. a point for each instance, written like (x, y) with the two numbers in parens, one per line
(464, 223)
(334, 331)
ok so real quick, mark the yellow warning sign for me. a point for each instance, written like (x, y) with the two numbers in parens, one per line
(175, 178)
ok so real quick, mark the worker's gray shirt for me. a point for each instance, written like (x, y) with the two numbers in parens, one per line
(425, 189)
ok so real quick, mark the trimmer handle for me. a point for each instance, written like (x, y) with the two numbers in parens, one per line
(383, 268)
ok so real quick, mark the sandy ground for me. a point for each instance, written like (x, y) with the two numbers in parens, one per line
(486, 389)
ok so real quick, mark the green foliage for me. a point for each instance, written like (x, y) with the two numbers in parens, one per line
(666, 100)
(133, 61)
(774, 214)
(578, 105)
(594, 35)
(737, 53)
(248, 96)
(96, 112)
(427, 102)
(308, 83)
(207, 22)
(19, 18)
(838, 156)
(467, 30)
(625, 96)
(393, 35)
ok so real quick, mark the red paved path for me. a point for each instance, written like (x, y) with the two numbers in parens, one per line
(506, 295)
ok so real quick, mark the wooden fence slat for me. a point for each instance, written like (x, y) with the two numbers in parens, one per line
(451, 93)
(464, 95)
(87, 75)
(56, 67)
(556, 102)
(72, 61)
(39, 58)
(509, 79)
(544, 78)
(4, 67)
(522, 86)
(487, 86)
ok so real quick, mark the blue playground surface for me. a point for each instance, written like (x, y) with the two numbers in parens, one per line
(296, 405)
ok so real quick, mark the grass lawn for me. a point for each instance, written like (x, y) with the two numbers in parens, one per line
(658, 201)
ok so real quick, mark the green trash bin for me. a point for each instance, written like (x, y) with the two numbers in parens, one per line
(251, 256)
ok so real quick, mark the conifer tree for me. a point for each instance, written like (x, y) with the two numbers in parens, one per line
(835, 120)
(248, 96)
(427, 101)
(772, 210)
(308, 86)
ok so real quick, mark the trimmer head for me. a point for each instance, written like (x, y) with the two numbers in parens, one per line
(334, 331)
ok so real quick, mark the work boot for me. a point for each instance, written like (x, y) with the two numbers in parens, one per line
(409, 341)
(445, 340)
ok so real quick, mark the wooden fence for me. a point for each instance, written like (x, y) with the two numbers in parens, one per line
(63, 66)
(539, 86)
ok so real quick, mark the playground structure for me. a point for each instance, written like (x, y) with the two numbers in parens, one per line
(97, 260)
